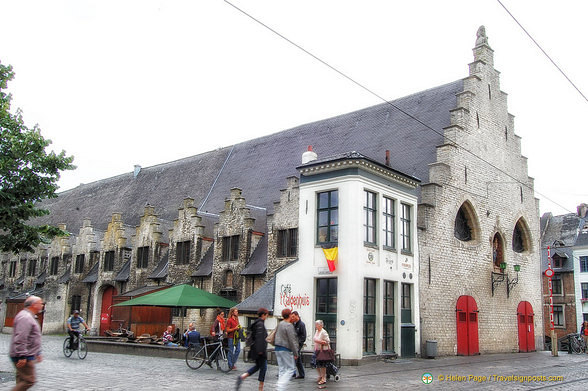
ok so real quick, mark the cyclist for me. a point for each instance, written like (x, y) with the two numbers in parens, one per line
(73, 326)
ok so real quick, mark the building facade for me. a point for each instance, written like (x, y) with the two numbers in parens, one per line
(228, 220)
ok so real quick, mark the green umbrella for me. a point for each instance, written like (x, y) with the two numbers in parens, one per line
(184, 296)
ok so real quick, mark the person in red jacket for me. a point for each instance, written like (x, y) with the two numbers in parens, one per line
(233, 327)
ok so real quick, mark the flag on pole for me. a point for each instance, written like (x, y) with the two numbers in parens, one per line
(331, 255)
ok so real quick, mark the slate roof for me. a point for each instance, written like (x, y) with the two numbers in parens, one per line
(263, 297)
(260, 166)
(41, 278)
(160, 271)
(205, 267)
(258, 261)
(92, 276)
(124, 273)
(143, 290)
(560, 233)
(65, 277)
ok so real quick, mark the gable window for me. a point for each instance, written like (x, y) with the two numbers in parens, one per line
(369, 217)
(287, 242)
(32, 267)
(557, 261)
(462, 229)
(231, 248)
(583, 264)
(79, 266)
(328, 217)
(76, 303)
(405, 220)
(183, 252)
(54, 266)
(369, 316)
(142, 257)
(12, 270)
(109, 261)
(389, 223)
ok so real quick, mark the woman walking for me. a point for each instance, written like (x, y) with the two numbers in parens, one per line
(218, 327)
(286, 349)
(258, 349)
(234, 342)
(321, 342)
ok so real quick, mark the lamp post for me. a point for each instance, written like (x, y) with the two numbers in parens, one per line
(549, 274)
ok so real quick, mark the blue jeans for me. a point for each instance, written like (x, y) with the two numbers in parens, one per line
(261, 365)
(286, 367)
(234, 349)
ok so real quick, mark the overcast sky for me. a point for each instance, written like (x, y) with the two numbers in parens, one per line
(119, 83)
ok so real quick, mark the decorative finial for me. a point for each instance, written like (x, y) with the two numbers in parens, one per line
(481, 39)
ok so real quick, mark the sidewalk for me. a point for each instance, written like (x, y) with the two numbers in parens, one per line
(106, 371)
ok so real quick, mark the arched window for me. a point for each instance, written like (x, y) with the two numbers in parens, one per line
(520, 237)
(464, 226)
(229, 279)
(497, 250)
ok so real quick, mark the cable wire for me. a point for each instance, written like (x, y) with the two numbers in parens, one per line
(389, 103)
(544, 52)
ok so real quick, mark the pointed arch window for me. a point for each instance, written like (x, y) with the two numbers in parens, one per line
(520, 237)
(463, 227)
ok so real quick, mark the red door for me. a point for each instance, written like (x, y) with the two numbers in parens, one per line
(467, 326)
(106, 310)
(525, 317)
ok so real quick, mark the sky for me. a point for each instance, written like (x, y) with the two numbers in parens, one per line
(119, 83)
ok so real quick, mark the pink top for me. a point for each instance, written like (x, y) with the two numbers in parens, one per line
(321, 336)
(26, 336)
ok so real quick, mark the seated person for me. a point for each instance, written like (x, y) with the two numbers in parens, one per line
(191, 337)
(168, 336)
(73, 327)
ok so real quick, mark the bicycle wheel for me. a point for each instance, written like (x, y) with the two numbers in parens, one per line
(195, 358)
(222, 362)
(66, 350)
(576, 346)
(82, 349)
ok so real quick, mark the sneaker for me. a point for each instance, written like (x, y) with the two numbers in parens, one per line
(239, 381)
(299, 377)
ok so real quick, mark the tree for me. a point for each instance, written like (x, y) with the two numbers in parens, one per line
(28, 174)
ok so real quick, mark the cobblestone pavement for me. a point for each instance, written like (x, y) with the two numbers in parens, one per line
(102, 371)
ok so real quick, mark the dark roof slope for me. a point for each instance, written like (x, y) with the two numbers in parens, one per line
(560, 233)
(262, 298)
(260, 166)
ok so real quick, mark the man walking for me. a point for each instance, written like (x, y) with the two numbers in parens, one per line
(25, 345)
(300, 329)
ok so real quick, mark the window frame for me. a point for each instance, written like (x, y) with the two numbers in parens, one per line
(406, 232)
(183, 249)
(559, 319)
(370, 212)
(331, 208)
(54, 266)
(287, 243)
(557, 281)
(369, 315)
(142, 257)
(389, 213)
(32, 269)
(583, 264)
(584, 290)
(108, 264)
(79, 263)
(230, 248)
(388, 316)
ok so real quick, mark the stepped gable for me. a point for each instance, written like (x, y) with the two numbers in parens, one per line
(259, 166)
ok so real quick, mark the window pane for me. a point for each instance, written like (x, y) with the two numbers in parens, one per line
(323, 218)
(334, 217)
(323, 200)
(334, 199)
(334, 234)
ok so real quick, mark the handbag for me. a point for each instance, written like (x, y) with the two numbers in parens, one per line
(242, 335)
(325, 355)
(271, 338)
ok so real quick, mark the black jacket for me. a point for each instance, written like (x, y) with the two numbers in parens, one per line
(300, 329)
(259, 334)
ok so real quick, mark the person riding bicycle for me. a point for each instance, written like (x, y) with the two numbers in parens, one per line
(73, 326)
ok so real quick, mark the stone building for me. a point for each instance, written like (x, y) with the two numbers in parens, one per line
(228, 219)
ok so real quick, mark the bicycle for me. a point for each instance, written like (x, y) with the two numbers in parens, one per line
(197, 355)
(578, 344)
(79, 344)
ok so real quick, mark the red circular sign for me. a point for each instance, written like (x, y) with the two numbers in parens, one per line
(549, 272)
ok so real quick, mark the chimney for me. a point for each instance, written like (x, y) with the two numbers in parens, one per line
(582, 209)
(137, 170)
(388, 157)
(309, 155)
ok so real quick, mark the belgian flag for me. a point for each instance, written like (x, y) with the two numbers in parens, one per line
(331, 255)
